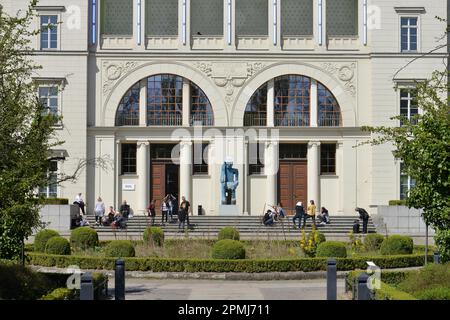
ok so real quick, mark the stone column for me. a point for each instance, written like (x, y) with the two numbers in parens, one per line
(339, 173)
(118, 172)
(186, 102)
(314, 104)
(314, 172)
(143, 103)
(186, 170)
(245, 178)
(271, 171)
(270, 104)
(142, 168)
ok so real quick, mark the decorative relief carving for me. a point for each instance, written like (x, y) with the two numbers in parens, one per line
(113, 71)
(230, 76)
(345, 73)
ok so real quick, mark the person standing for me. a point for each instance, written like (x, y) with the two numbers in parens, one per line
(125, 209)
(186, 206)
(310, 213)
(164, 210)
(151, 211)
(79, 201)
(182, 215)
(170, 205)
(99, 211)
(299, 213)
(364, 216)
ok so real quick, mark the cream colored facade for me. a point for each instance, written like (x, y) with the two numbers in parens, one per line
(360, 70)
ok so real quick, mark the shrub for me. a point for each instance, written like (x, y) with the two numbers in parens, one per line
(333, 249)
(397, 244)
(373, 241)
(229, 233)
(84, 238)
(442, 240)
(41, 239)
(58, 245)
(60, 294)
(119, 248)
(309, 242)
(439, 293)
(21, 283)
(397, 202)
(355, 242)
(57, 201)
(387, 292)
(228, 249)
(154, 235)
(431, 276)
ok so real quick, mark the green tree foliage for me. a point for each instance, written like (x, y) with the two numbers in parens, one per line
(26, 133)
(422, 143)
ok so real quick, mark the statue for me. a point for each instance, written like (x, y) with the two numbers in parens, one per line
(229, 180)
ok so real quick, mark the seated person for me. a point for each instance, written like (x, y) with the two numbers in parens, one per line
(280, 211)
(109, 218)
(119, 221)
(356, 226)
(324, 217)
(268, 219)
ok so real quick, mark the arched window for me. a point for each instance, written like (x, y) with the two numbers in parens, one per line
(256, 110)
(128, 111)
(292, 101)
(329, 112)
(201, 109)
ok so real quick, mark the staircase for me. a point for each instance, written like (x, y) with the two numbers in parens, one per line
(250, 227)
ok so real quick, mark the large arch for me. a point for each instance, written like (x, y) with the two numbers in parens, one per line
(346, 103)
(108, 112)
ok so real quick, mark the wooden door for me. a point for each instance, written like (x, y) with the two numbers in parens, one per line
(158, 182)
(292, 184)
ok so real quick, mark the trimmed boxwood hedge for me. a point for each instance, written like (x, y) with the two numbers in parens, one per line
(397, 244)
(229, 233)
(41, 238)
(373, 241)
(386, 292)
(154, 235)
(84, 238)
(332, 249)
(220, 265)
(58, 245)
(228, 249)
(120, 248)
(56, 201)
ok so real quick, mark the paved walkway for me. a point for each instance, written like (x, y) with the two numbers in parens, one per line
(172, 289)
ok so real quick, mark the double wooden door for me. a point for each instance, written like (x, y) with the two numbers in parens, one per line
(164, 180)
(292, 184)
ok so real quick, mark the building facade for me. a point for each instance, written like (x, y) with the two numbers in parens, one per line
(167, 90)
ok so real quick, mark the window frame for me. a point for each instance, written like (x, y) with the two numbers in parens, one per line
(205, 162)
(418, 28)
(60, 84)
(122, 158)
(328, 173)
(45, 191)
(58, 30)
(257, 169)
(411, 183)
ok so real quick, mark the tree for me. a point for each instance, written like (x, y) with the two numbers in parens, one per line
(422, 143)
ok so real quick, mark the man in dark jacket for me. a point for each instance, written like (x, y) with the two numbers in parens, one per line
(364, 216)
(125, 209)
(299, 213)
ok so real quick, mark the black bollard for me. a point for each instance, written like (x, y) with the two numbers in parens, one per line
(119, 289)
(363, 290)
(331, 280)
(436, 257)
(86, 287)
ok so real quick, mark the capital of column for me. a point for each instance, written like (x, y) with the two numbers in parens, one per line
(185, 143)
(143, 144)
(314, 144)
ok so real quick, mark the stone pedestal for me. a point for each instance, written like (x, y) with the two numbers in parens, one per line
(229, 210)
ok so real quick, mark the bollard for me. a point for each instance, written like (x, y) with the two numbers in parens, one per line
(331, 280)
(436, 257)
(86, 287)
(363, 292)
(119, 289)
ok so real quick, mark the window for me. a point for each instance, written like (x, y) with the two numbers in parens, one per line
(256, 110)
(408, 103)
(200, 159)
(342, 18)
(49, 32)
(51, 190)
(291, 151)
(406, 183)
(128, 111)
(129, 158)
(164, 152)
(256, 158)
(329, 110)
(48, 95)
(409, 34)
(201, 110)
(328, 159)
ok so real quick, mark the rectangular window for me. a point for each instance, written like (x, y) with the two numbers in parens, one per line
(291, 151)
(328, 159)
(406, 183)
(256, 158)
(51, 190)
(408, 103)
(129, 158)
(48, 95)
(200, 159)
(49, 31)
(409, 34)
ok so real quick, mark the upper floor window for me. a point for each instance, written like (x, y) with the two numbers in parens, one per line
(128, 111)
(129, 158)
(201, 109)
(116, 17)
(329, 112)
(51, 189)
(49, 31)
(256, 110)
(409, 34)
(48, 96)
(342, 18)
(406, 183)
(408, 103)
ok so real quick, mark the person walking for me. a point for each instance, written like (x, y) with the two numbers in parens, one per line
(99, 211)
(299, 213)
(164, 210)
(364, 216)
(187, 208)
(310, 213)
(182, 216)
(151, 211)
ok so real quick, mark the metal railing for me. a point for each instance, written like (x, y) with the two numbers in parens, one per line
(169, 120)
(292, 119)
(330, 120)
(255, 119)
(201, 119)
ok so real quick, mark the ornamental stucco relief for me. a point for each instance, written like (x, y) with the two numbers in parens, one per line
(113, 71)
(345, 73)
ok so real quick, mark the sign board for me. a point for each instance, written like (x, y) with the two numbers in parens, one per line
(128, 187)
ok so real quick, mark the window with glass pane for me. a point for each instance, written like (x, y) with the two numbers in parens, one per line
(289, 151)
(116, 17)
(342, 18)
(408, 104)
(252, 17)
(200, 158)
(164, 100)
(48, 95)
(292, 101)
(256, 110)
(129, 158)
(51, 190)
(49, 32)
(128, 110)
(409, 28)
(328, 159)
(329, 110)
(256, 158)
(406, 183)
(201, 110)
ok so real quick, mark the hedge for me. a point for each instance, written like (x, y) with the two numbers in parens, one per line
(397, 202)
(84, 238)
(220, 265)
(154, 235)
(373, 241)
(41, 238)
(397, 244)
(58, 245)
(120, 248)
(56, 201)
(228, 249)
(60, 294)
(228, 233)
(333, 249)
(386, 292)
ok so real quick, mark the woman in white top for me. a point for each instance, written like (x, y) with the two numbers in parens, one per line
(99, 210)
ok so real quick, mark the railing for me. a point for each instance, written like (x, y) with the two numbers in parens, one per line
(169, 120)
(330, 120)
(127, 120)
(255, 120)
(201, 119)
(292, 120)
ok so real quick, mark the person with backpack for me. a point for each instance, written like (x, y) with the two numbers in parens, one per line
(364, 216)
